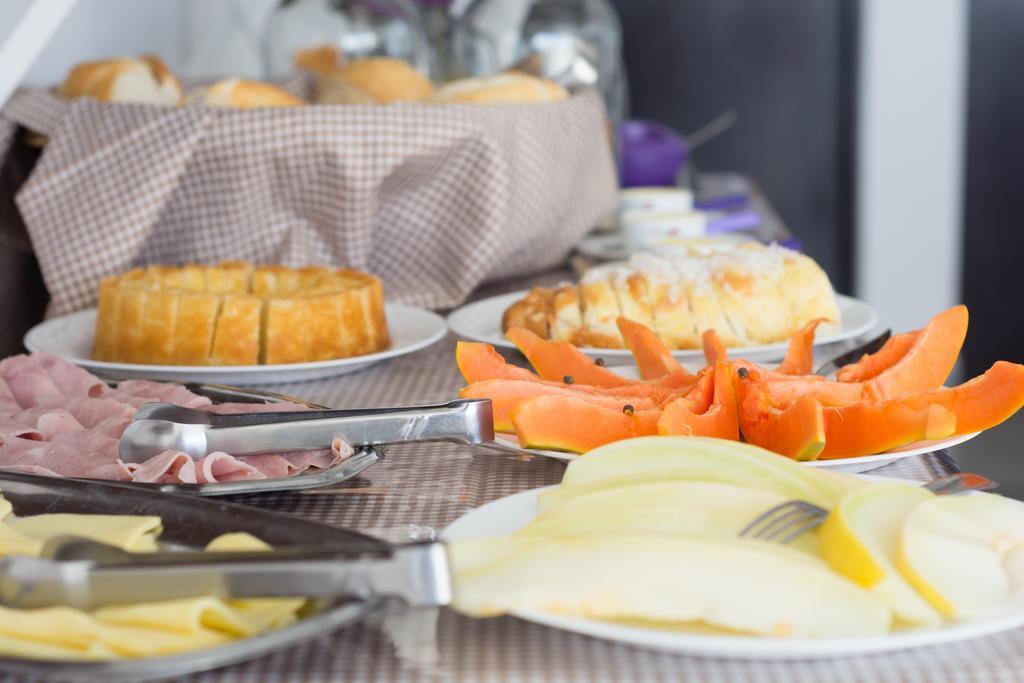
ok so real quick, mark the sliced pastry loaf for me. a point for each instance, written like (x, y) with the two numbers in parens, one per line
(749, 294)
(234, 314)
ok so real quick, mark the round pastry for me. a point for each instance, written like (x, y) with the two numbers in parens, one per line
(386, 79)
(501, 88)
(242, 94)
(749, 294)
(234, 314)
(124, 79)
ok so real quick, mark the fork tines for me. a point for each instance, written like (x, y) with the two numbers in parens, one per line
(785, 522)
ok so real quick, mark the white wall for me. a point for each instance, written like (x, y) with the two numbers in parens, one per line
(196, 38)
(910, 148)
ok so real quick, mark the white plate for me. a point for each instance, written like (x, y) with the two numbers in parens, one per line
(516, 511)
(71, 337)
(481, 321)
(864, 463)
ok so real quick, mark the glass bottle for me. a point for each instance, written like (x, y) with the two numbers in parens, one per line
(358, 28)
(494, 35)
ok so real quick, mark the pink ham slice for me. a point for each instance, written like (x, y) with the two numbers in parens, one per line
(89, 411)
(67, 377)
(161, 391)
(61, 459)
(16, 429)
(49, 421)
(57, 419)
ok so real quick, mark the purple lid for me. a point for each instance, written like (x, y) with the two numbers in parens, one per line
(650, 154)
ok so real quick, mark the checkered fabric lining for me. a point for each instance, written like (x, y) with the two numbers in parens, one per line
(434, 199)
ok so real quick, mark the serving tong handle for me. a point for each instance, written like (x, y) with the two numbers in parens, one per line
(160, 427)
(85, 574)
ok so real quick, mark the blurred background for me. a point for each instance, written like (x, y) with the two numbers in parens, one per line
(885, 134)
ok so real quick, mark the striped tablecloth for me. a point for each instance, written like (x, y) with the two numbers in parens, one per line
(418, 490)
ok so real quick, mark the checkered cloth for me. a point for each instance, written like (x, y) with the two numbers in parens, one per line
(434, 199)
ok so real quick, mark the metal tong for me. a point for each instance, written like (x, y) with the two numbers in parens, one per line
(86, 574)
(158, 427)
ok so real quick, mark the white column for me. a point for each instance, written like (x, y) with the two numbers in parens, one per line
(910, 153)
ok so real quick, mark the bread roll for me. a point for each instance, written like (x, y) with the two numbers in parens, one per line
(144, 79)
(241, 94)
(503, 88)
(385, 79)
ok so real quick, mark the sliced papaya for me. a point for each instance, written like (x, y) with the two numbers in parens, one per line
(653, 359)
(506, 394)
(870, 365)
(720, 419)
(556, 360)
(875, 427)
(980, 403)
(799, 359)
(868, 428)
(783, 390)
(478, 362)
(928, 361)
(564, 423)
(714, 349)
(561, 361)
(796, 431)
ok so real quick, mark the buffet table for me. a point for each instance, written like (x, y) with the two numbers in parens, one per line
(417, 490)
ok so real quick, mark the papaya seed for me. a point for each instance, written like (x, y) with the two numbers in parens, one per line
(627, 409)
(568, 379)
(743, 373)
(599, 362)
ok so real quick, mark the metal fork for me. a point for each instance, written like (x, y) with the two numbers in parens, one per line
(788, 521)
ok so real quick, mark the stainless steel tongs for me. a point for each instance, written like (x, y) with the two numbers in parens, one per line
(86, 574)
(158, 427)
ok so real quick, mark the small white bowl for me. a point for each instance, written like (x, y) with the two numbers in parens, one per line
(646, 229)
(661, 199)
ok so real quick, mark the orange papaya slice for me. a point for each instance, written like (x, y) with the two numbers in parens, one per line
(653, 359)
(928, 361)
(799, 359)
(870, 365)
(783, 390)
(564, 423)
(714, 349)
(720, 419)
(561, 361)
(506, 394)
(796, 431)
(869, 428)
(975, 405)
(480, 362)
(556, 360)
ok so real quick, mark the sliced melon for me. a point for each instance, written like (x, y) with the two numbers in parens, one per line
(965, 554)
(664, 458)
(743, 585)
(861, 540)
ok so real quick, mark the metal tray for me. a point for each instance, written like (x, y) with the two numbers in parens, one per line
(312, 478)
(188, 523)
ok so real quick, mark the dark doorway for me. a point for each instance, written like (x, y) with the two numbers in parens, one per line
(787, 68)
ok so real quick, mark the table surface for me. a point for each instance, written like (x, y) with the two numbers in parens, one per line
(417, 490)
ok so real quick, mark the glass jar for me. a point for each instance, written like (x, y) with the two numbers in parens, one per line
(494, 35)
(358, 28)
(436, 22)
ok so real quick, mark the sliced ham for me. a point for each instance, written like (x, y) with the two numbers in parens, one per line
(167, 468)
(30, 387)
(89, 411)
(220, 467)
(62, 459)
(49, 421)
(162, 391)
(11, 428)
(58, 420)
(67, 377)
